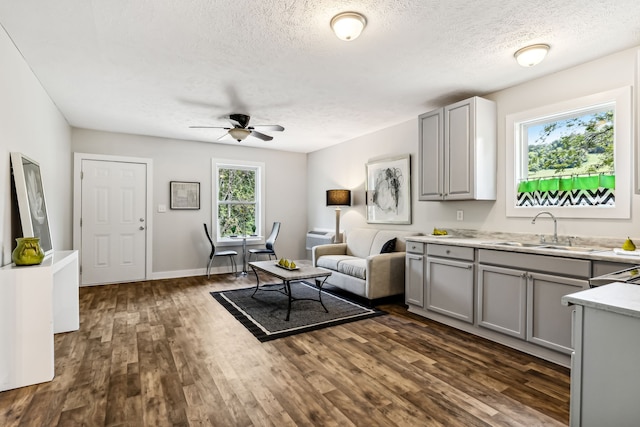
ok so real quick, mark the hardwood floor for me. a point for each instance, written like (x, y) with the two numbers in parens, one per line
(166, 353)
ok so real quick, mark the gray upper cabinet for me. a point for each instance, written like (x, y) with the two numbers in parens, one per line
(457, 151)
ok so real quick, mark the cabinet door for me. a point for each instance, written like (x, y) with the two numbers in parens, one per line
(450, 288)
(431, 156)
(548, 321)
(502, 297)
(414, 280)
(458, 146)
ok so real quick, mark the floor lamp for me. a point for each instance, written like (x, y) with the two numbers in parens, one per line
(338, 198)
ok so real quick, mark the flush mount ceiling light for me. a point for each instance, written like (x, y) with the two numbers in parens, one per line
(239, 134)
(348, 25)
(531, 55)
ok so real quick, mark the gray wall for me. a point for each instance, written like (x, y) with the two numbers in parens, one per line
(179, 244)
(349, 158)
(31, 124)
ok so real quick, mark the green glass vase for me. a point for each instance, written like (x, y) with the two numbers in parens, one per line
(28, 251)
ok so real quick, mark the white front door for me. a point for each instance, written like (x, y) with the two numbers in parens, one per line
(113, 221)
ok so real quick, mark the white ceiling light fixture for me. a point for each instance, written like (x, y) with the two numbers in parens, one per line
(348, 25)
(531, 55)
(239, 134)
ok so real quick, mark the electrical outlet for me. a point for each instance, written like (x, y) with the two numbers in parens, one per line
(460, 215)
(162, 208)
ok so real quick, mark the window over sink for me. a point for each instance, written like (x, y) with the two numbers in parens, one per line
(565, 158)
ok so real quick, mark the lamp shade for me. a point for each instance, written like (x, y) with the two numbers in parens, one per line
(338, 197)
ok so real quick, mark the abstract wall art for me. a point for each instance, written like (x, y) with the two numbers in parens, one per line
(388, 188)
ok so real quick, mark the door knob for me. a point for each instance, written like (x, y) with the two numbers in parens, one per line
(141, 219)
(141, 228)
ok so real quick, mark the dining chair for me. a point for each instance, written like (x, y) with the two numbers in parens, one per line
(231, 254)
(271, 240)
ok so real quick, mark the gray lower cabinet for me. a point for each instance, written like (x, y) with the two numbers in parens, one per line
(450, 282)
(548, 321)
(527, 305)
(604, 368)
(502, 300)
(415, 273)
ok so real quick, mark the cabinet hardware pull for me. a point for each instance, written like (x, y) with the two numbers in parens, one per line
(141, 228)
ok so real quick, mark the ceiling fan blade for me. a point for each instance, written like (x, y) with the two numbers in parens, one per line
(209, 127)
(261, 136)
(276, 128)
(225, 136)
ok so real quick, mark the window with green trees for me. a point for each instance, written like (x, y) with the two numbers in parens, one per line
(237, 198)
(567, 160)
(572, 158)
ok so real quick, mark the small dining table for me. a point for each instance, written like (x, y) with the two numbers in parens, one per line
(244, 249)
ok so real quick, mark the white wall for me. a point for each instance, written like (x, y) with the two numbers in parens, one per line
(179, 242)
(31, 124)
(343, 165)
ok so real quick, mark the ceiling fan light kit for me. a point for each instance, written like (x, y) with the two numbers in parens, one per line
(348, 25)
(531, 55)
(239, 134)
(241, 129)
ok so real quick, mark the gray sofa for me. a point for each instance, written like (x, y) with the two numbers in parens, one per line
(357, 266)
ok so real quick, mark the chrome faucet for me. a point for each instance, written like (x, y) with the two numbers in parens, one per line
(555, 225)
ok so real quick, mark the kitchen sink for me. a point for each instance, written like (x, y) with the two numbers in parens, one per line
(546, 246)
(517, 244)
(570, 248)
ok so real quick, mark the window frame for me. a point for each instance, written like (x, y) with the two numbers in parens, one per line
(259, 167)
(623, 141)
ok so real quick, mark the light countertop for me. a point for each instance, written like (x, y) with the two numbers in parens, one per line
(618, 297)
(489, 242)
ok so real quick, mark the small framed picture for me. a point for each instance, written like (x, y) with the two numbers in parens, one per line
(185, 195)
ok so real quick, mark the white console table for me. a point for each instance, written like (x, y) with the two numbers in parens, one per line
(36, 302)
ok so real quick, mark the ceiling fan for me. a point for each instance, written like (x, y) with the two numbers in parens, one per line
(241, 128)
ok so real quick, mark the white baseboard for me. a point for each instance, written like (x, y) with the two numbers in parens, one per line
(158, 275)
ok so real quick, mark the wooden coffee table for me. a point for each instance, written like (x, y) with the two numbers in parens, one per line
(303, 271)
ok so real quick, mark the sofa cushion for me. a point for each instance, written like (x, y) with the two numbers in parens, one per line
(332, 261)
(389, 246)
(383, 236)
(356, 267)
(359, 241)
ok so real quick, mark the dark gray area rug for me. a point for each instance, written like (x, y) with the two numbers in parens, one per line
(264, 314)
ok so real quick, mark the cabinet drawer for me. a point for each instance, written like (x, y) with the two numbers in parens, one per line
(531, 262)
(415, 247)
(448, 251)
(600, 268)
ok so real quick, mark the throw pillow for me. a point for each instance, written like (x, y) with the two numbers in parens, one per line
(389, 246)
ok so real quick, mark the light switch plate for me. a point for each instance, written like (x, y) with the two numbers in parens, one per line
(162, 208)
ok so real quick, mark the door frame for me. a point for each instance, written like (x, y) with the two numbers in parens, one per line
(78, 158)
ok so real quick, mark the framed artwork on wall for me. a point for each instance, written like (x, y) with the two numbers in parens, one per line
(31, 201)
(185, 195)
(388, 189)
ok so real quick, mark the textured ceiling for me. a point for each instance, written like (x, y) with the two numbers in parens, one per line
(156, 67)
